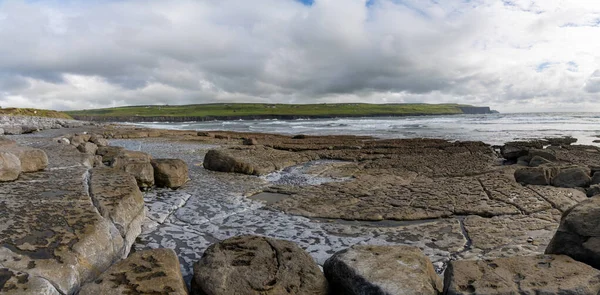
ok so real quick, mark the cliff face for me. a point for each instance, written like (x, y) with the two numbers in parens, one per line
(476, 110)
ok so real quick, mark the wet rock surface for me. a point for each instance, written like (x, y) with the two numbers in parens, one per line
(257, 265)
(541, 274)
(370, 269)
(147, 272)
(452, 200)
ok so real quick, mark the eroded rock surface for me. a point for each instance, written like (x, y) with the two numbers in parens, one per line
(50, 227)
(579, 233)
(146, 272)
(257, 265)
(370, 269)
(541, 274)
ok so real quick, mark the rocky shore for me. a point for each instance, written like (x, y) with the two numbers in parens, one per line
(121, 210)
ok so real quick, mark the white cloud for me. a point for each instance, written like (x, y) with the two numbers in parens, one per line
(511, 55)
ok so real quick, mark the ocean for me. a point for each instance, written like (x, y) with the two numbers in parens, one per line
(490, 128)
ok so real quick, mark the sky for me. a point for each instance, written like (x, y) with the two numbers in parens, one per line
(511, 55)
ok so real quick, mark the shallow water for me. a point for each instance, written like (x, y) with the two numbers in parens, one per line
(489, 128)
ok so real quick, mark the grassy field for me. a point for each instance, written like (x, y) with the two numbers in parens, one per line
(245, 109)
(33, 112)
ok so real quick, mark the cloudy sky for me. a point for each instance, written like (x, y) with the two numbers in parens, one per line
(513, 55)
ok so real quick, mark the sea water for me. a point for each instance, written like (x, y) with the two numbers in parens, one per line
(489, 128)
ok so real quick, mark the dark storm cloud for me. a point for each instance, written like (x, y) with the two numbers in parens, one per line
(84, 54)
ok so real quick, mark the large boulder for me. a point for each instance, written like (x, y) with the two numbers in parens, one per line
(572, 177)
(154, 271)
(171, 173)
(257, 265)
(254, 160)
(98, 140)
(10, 167)
(538, 161)
(534, 175)
(513, 150)
(365, 269)
(31, 159)
(541, 274)
(138, 164)
(578, 235)
(547, 154)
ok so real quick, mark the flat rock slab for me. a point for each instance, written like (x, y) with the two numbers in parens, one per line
(541, 274)
(51, 228)
(257, 265)
(384, 270)
(154, 271)
(118, 199)
(510, 235)
(254, 160)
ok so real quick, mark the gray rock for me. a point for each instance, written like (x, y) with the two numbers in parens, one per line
(171, 173)
(154, 271)
(538, 161)
(250, 141)
(76, 140)
(595, 178)
(578, 235)
(10, 166)
(109, 153)
(541, 274)
(545, 153)
(257, 265)
(535, 176)
(13, 130)
(136, 163)
(88, 148)
(365, 269)
(593, 190)
(572, 177)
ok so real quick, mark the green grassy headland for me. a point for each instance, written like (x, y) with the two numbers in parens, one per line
(253, 110)
(34, 112)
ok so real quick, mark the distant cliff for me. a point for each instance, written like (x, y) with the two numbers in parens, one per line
(235, 111)
(476, 110)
